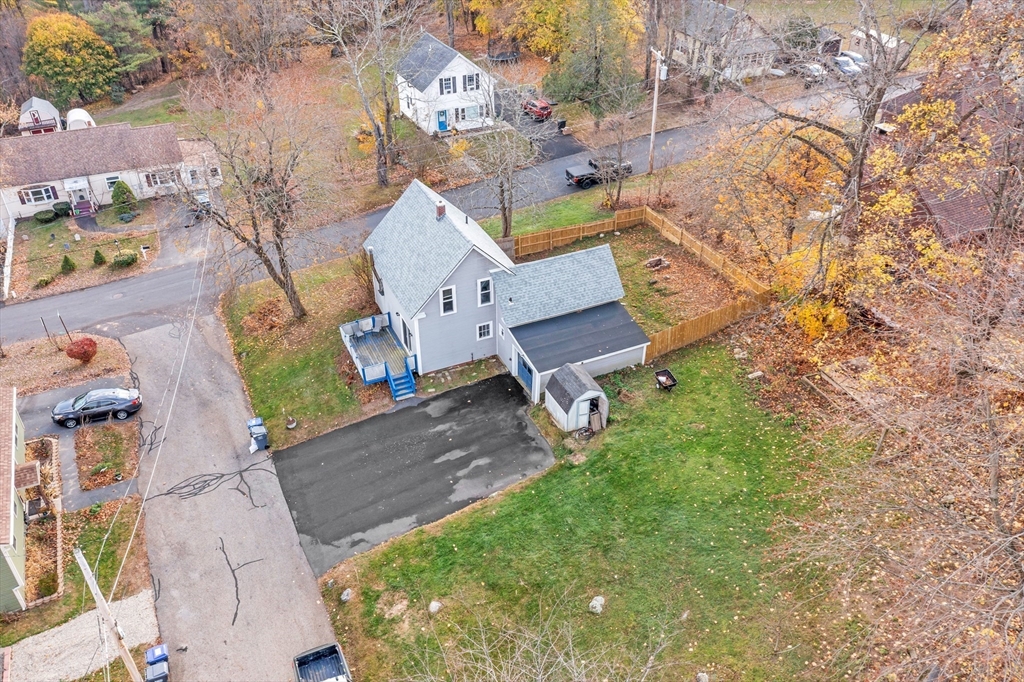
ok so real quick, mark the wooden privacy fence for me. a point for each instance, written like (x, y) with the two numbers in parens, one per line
(683, 333)
(538, 242)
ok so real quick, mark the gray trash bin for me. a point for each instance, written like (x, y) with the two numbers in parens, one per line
(157, 672)
(259, 436)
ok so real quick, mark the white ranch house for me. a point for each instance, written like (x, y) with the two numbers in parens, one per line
(442, 91)
(449, 295)
(80, 166)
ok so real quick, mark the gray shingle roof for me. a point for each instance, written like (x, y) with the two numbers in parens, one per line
(424, 61)
(414, 252)
(558, 285)
(88, 151)
(568, 383)
(41, 105)
(708, 20)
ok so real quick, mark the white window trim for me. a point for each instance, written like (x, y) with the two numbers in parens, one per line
(501, 331)
(440, 299)
(111, 180)
(490, 331)
(46, 190)
(490, 292)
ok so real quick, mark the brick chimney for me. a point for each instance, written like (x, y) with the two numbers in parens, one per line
(440, 210)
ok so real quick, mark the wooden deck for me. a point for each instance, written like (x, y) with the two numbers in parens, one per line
(375, 348)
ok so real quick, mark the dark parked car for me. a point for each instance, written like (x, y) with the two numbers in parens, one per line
(597, 171)
(98, 404)
(539, 109)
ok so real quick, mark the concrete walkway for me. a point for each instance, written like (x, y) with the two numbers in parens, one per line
(75, 649)
(35, 413)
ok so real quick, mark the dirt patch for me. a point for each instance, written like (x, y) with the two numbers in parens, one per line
(267, 317)
(39, 365)
(106, 454)
(681, 289)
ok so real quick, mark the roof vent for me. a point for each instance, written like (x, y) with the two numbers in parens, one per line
(440, 210)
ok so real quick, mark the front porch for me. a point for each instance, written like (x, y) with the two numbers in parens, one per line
(379, 356)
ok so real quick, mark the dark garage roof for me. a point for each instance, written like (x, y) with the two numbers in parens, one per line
(568, 384)
(579, 336)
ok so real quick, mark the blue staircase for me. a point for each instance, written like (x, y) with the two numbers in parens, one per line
(403, 385)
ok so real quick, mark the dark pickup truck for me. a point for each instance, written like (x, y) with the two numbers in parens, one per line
(597, 171)
(323, 664)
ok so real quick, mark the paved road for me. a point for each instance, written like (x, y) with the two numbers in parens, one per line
(356, 487)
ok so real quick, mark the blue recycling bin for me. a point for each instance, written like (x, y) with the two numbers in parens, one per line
(156, 654)
(255, 421)
(157, 672)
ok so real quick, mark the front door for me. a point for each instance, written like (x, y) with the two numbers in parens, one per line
(79, 195)
(442, 120)
(524, 372)
(406, 336)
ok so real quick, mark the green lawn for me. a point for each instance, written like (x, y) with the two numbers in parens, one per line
(108, 218)
(43, 256)
(579, 207)
(77, 599)
(292, 370)
(669, 514)
(168, 111)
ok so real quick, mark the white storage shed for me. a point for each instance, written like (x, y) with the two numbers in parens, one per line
(575, 400)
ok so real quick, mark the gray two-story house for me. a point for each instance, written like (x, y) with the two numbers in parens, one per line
(449, 295)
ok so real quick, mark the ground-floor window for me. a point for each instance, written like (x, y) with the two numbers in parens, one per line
(112, 180)
(40, 194)
(160, 178)
(483, 331)
(467, 113)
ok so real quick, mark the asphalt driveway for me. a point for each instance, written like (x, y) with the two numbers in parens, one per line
(360, 485)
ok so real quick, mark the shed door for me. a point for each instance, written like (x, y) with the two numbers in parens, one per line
(582, 413)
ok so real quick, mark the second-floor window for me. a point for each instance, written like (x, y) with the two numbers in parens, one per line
(447, 85)
(484, 291)
(447, 300)
(470, 81)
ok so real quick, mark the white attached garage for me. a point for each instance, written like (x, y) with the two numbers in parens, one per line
(575, 400)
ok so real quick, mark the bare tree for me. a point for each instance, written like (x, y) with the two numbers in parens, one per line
(502, 153)
(263, 144)
(449, 15)
(369, 34)
(545, 649)
(264, 35)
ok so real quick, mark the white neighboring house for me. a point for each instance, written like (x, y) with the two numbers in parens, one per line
(81, 167)
(38, 117)
(441, 90)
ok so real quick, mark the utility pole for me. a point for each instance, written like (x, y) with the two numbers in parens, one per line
(654, 111)
(101, 606)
